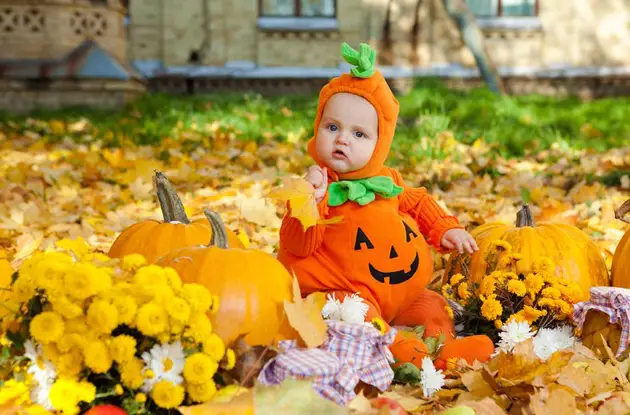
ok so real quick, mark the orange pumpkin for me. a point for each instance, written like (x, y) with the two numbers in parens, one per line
(576, 257)
(251, 285)
(153, 238)
(621, 260)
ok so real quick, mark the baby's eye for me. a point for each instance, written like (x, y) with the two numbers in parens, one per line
(332, 127)
(359, 134)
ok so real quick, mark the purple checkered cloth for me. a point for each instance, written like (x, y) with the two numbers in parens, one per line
(350, 353)
(613, 301)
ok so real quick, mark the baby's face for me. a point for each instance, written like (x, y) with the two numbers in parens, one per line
(347, 133)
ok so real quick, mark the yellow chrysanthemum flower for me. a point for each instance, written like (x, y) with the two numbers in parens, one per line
(487, 286)
(230, 359)
(214, 347)
(132, 262)
(79, 281)
(65, 307)
(122, 348)
(447, 291)
(543, 265)
(152, 319)
(197, 296)
(131, 373)
(449, 311)
(102, 317)
(69, 364)
(178, 309)
(126, 307)
(23, 289)
(534, 283)
(517, 287)
(147, 279)
(201, 392)
(199, 368)
(379, 324)
(199, 327)
(167, 395)
(564, 307)
(97, 356)
(15, 392)
(491, 309)
(462, 291)
(66, 394)
(498, 324)
(141, 397)
(546, 302)
(47, 327)
(455, 279)
(118, 389)
(551, 292)
(174, 281)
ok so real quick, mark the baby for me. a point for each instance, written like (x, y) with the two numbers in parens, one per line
(380, 250)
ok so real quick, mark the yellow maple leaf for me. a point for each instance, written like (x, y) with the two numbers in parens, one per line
(238, 403)
(300, 195)
(305, 315)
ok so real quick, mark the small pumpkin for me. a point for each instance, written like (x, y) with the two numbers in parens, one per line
(153, 238)
(576, 257)
(252, 286)
(620, 269)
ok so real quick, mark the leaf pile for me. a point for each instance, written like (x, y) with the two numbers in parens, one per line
(83, 188)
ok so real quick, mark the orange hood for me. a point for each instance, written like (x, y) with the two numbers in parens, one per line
(367, 82)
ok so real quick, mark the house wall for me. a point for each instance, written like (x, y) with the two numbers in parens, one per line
(49, 30)
(567, 32)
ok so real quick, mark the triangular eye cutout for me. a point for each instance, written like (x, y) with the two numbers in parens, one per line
(409, 232)
(362, 239)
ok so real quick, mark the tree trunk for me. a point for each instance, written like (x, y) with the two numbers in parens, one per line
(386, 49)
(415, 35)
(472, 36)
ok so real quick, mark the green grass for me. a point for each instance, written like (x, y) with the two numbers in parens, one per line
(515, 126)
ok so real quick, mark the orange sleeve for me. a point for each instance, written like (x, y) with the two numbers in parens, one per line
(432, 220)
(295, 239)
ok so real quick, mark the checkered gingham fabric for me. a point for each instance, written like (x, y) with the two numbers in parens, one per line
(350, 353)
(610, 300)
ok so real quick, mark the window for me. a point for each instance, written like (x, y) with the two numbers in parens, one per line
(297, 8)
(507, 8)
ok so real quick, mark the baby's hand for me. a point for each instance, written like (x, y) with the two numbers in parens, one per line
(318, 177)
(460, 239)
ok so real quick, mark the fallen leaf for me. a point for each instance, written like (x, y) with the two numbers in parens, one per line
(241, 404)
(305, 315)
(27, 243)
(293, 397)
(300, 195)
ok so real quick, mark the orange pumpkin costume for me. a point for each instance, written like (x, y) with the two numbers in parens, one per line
(379, 250)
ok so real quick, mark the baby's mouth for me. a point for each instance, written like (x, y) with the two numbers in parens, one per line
(338, 154)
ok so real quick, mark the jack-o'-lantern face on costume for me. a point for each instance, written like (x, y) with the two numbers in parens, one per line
(390, 252)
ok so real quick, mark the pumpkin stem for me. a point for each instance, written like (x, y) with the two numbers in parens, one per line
(219, 234)
(622, 211)
(170, 203)
(525, 217)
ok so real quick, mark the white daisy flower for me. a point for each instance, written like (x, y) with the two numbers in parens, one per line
(431, 379)
(513, 333)
(351, 310)
(44, 373)
(166, 361)
(549, 341)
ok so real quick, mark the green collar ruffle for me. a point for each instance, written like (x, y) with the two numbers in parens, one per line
(362, 191)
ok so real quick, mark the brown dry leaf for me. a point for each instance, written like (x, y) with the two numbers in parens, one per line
(520, 366)
(557, 400)
(408, 403)
(486, 406)
(249, 361)
(305, 315)
(575, 377)
(27, 243)
(614, 404)
(477, 385)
